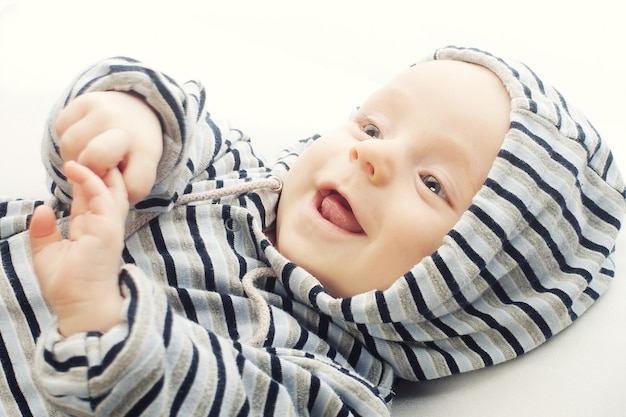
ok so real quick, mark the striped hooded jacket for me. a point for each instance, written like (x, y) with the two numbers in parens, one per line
(217, 322)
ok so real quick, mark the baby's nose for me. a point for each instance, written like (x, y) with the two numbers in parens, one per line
(374, 159)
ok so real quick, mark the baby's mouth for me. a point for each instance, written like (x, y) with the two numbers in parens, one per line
(336, 209)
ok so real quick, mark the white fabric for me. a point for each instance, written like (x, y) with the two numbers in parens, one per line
(283, 72)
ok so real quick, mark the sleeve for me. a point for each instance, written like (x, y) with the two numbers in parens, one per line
(158, 363)
(194, 144)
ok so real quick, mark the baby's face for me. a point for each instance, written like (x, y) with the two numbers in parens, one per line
(365, 203)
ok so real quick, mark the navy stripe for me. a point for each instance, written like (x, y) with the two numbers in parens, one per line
(582, 136)
(257, 201)
(211, 172)
(608, 272)
(346, 309)
(600, 213)
(192, 169)
(200, 247)
(59, 178)
(187, 303)
(412, 356)
(127, 257)
(449, 359)
(201, 102)
(302, 339)
(9, 375)
(445, 329)
(355, 353)
(274, 388)
(149, 398)
(220, 376)
(591, 293)
(245, 410)
(473, 345)
(416, 296)
(73, 362)
(536, 78)
(217, 138)
(234, 153)
(155, 202)
(229, 221)
(370, 343)
(313, 292)
(323, 324)
(187, 383)
(167, 326)
(18, 290)
(449, 279)
(284, 277)
(608, 164)
(271, 331)
(257, 251)
(111, 354)
(314, 389)
(383, 310)
(283, 164)
(230, 316)
(161, 249)
(240, 360)
(132, 289)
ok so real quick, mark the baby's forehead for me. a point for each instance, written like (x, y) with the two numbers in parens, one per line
(440, 73)
(440, 82)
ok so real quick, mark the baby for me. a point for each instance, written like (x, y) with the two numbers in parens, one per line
(463, 216)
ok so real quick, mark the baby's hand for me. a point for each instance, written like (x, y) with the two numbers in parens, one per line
(79, 276)
(104, 130)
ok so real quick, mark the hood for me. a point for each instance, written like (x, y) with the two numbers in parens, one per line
(532, 253)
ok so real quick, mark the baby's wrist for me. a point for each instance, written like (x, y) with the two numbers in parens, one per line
(98, 315)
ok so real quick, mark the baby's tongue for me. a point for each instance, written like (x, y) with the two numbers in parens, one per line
(336, 210)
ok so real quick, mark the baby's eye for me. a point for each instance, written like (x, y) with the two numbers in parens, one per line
(371, 130)
(434, 185)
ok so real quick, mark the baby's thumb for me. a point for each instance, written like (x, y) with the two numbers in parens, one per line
(43, 229)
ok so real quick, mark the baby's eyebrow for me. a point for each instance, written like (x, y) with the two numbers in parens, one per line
(357, 115)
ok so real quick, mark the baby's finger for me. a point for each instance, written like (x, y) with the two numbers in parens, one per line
(105, 151)
(91, 188)
(77, 135)
(115, 183)
(139, 175)
(43, 229)
(70, 115)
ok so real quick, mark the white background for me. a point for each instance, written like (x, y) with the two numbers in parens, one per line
(282, 70)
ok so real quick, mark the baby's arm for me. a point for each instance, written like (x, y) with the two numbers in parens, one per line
(94, 109)
(79, 275)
